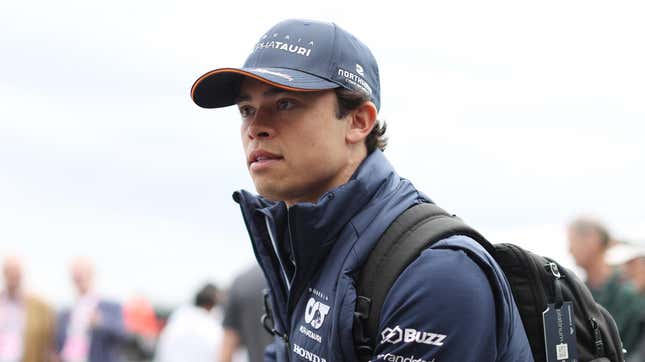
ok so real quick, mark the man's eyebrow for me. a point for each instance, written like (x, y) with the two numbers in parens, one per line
(274, 90)
(270, 92)
(241, 98)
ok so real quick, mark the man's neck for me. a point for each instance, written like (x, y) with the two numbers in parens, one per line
(343, 176)
(598, 273)
(87, 295)
(12, 295)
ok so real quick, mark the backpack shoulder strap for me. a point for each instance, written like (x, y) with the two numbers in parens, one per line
(413, 231)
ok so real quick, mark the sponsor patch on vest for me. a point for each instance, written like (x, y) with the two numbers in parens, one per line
(410, 335)
(389, 357)
(318, 294)
(307, 355)
(311, 334)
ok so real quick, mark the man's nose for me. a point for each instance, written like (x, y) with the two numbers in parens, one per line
(261, 126)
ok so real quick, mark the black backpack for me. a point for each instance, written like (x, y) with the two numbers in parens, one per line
(535, 282)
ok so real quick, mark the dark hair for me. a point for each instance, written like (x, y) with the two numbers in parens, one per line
(349, 100)
(207, 296)
(585, 226)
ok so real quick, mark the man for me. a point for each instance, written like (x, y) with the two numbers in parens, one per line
(26, 322)
(631, 258)
(588, 244)
(244, 309)
(309, 96)
(93, 329)
(193, 333)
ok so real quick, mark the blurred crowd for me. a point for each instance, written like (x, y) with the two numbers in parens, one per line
(222, 326)
(214, 327)
(615, 274)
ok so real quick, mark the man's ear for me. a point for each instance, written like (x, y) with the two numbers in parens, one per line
(361, 122)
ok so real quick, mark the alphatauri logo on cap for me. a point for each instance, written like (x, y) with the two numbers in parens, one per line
(285, 43)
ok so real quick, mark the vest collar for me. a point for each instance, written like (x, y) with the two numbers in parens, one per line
(306, 231)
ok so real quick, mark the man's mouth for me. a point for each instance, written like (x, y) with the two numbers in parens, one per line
(259, 159)
(262, 158)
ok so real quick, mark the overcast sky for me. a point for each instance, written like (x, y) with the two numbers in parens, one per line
(515, 115)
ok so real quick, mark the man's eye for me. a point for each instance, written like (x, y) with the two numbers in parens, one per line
(285, 104)
(246, 111)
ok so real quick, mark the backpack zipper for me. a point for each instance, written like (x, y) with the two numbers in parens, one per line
(597, 337)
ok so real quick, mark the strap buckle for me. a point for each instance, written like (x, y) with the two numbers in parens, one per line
(363, 344)
(267, 318)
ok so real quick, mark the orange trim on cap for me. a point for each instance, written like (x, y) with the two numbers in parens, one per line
(248, 74)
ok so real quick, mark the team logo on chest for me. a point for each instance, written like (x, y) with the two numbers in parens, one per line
(315, 313)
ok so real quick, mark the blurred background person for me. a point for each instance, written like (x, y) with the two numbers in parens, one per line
(244, 309)
(26, 322)
(142, 327)
(92, 330)
(193, 332)
(630, 257)
(588, 244)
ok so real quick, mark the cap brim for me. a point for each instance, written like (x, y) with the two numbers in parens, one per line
(622, 253)
(220, 87)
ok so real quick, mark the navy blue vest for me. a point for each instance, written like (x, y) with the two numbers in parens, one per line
(311, 252)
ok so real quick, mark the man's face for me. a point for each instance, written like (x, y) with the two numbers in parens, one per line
(12, 272)
(295, 146)
(82, 274)
(584, 247)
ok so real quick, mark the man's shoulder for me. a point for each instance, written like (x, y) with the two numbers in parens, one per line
(630, 300)
(445, 293)
(448, 274)
(447, 290)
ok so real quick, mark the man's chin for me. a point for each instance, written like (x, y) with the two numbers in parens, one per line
(269, 192)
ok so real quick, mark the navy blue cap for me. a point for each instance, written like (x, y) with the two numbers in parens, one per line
(297, 55)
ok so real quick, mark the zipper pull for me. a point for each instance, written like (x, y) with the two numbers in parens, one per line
(600, 346)
(552, 268)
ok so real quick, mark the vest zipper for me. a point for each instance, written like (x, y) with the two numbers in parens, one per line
(284, 335)
(277, 253)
